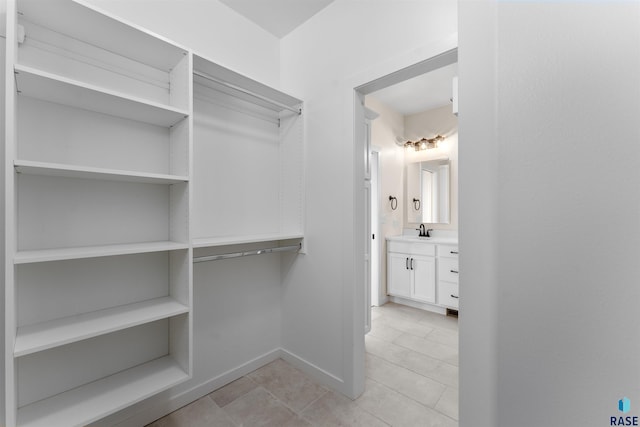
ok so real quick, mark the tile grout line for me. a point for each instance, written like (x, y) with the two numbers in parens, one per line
(415, 372)
(309, 404)
(399, 392)
(412, 399)
(439, 402)
(425, 354)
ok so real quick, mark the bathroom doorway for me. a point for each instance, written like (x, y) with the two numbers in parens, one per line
(407, 345)
(390, 215)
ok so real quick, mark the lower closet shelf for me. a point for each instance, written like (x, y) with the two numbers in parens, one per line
(42, 336)
(93, 401)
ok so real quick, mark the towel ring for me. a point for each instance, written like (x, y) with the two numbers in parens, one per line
(416, 204)
(394, 203)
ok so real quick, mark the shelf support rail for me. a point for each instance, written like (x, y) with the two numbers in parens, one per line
(291, 248)
(298, 111)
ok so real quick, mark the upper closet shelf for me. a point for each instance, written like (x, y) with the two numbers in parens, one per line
(61, 254)
(53, 88)
(245, 94)
(72, 171)
(207, 242)
(214, 76)
(81, 20)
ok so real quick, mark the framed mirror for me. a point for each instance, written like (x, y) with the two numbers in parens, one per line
(427, 192)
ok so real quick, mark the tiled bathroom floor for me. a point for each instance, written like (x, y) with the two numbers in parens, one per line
(412, 381)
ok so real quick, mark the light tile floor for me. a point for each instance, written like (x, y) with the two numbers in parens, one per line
(412, 381)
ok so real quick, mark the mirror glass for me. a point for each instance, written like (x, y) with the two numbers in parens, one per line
(427, 192)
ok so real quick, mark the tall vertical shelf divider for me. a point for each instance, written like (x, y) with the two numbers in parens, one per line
(248, 160)
(98, 254)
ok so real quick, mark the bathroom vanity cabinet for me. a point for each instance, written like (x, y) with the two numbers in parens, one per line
(412, 270)
(448, 286)
(423, 272)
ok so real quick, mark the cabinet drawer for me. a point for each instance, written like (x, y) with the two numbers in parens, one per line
(448, 294)
(448, 251)
(448, 269)
(415, 248)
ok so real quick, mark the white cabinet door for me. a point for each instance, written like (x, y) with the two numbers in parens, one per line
(399, 275)
(424, 278)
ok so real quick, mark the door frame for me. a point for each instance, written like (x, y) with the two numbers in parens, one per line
(443, 59)
(376, 255)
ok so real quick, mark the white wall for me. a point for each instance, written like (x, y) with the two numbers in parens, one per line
(549, 93)
(209, 28)
(3, 18)
(346, 45)
(384, 131)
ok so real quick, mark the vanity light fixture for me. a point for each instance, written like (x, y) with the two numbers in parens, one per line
(424, 143)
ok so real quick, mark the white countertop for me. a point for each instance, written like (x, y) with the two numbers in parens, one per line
(433, 240)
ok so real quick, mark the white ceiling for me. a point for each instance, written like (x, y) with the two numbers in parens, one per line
(279, 17)
(422, 93)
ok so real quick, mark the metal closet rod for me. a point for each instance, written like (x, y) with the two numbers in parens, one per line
(298, 111)
(248, 253)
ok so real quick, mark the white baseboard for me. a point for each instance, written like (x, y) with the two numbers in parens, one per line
(318, 374)
(415, 304)
(384, 300)
(165, 403)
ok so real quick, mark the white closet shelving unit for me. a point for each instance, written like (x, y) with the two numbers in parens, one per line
(98, 268)
(103, 208)
(248, 160)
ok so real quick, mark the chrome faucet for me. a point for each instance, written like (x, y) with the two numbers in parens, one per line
(422, 232)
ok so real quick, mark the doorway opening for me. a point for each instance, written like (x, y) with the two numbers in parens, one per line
(387, 155)
(427, 85)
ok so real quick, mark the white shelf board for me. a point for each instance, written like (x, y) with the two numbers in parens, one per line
(46, 335)
(102, 29)
(61, 254)
(234, 240)
(210, 68)
(61, 90)
(93, 401)
(72, 171)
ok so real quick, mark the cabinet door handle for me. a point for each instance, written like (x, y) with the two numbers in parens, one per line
(453, 252)
(454, 271)
(412, 263)
(454, 296)
(406, 263)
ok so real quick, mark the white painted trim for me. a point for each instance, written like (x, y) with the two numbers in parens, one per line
(312, 370)
(415, 304)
